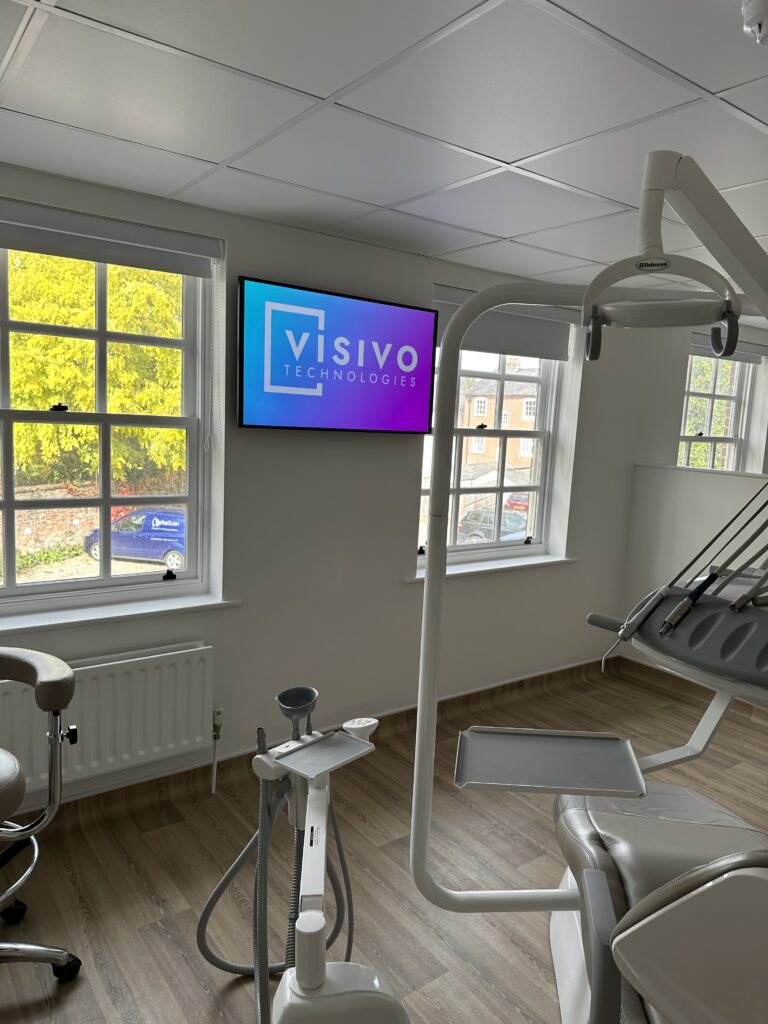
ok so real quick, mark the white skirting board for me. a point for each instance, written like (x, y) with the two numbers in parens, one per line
(140, 715)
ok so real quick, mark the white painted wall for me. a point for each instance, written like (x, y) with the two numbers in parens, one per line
(320, 529)
(674, 513)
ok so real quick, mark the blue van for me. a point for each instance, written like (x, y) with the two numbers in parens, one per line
(146, 535)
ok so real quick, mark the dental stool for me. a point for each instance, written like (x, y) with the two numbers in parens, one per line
(688, 880)
(54, 686)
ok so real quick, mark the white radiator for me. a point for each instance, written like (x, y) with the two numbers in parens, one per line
(141, 714)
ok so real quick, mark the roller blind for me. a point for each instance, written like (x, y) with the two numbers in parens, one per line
(514, 334)
(36, 228)
(746, 351)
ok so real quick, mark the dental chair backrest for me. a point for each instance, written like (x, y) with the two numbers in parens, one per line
(695, 948)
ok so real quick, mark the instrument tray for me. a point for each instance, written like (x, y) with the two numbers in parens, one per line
(590, 763)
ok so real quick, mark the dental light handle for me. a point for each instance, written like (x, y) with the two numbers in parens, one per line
(310, 926)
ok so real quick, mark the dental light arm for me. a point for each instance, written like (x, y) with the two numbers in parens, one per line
(680, 181)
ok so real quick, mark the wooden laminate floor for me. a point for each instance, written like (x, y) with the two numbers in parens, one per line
(123, 876)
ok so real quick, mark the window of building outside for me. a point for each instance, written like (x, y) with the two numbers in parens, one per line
(714, 413)
(499, 480)
(99, 411)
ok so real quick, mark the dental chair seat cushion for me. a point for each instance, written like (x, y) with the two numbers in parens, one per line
(12, 784)
(643, 844)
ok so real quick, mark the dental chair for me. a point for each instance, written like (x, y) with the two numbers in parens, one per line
(681, 935)
(54, 687)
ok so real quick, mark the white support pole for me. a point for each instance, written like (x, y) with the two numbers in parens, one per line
(699, 741)
(437, 538)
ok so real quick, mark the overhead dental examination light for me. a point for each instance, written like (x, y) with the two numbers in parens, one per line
(649, 867)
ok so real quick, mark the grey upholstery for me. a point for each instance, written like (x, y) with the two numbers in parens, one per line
(52, 678)
(12, 785)
(643, 845)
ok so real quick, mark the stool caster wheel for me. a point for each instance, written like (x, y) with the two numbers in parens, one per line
(67, 971)
(14, 912)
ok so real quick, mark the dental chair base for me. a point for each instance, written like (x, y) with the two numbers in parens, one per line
(351, 993)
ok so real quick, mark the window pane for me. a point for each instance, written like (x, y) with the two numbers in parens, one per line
(147, 539)
(2, 556)
(51, 289)
(725, 456)
(426, 462)
(723, 418)
(682, 454)
(526, 365)
(519, 515)
(727, 376)
(521, 402)
(51, 544)
(149, 460)
(46, 371)
(522, 461)
(144, 379)
(486, 362)
(477, 519)
(475, 395)
(701, 454)
(53, 460)
(702, 373)
(144, 302)
(480, 462)
(696, 418)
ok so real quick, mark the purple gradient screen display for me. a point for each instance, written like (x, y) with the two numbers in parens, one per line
(312, 359)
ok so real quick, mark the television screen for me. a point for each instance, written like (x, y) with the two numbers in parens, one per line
(333, 362)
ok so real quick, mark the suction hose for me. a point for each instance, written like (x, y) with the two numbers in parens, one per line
(260, 969)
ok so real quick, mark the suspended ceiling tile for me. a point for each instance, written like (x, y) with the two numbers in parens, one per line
(316, 47)
(247, 194)
(57, 149)
(10, 18)
(512, 258)
(513, 83)
(395, 230)
(751, 204)
(729, 151)
(606, 239)
(702, 40)
(703, 255)
(91, 79)
(753, 97)
(507, 204)
(350, 155)
(575, 275)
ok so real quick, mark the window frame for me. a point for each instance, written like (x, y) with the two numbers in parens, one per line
(107, 588)
(741, 400)
(543, 430)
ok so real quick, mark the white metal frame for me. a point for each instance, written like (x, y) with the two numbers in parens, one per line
(37, 596)
(739, 399)
(680, 181)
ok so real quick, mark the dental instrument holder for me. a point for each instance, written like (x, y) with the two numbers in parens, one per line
(313, 989)
(660, 177)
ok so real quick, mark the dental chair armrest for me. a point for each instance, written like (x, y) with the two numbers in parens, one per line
(52, 678)
(687, 883)
(599, 923)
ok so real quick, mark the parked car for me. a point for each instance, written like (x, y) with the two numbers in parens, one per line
(146, 535)
(476, 527)
(518, 502)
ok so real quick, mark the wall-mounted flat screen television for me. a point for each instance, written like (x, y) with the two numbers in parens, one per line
(333, 362)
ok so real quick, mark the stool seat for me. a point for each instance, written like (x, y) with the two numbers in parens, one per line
(12, 785)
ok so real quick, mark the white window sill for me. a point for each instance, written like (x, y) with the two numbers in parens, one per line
(494, 565)
(26, 622)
